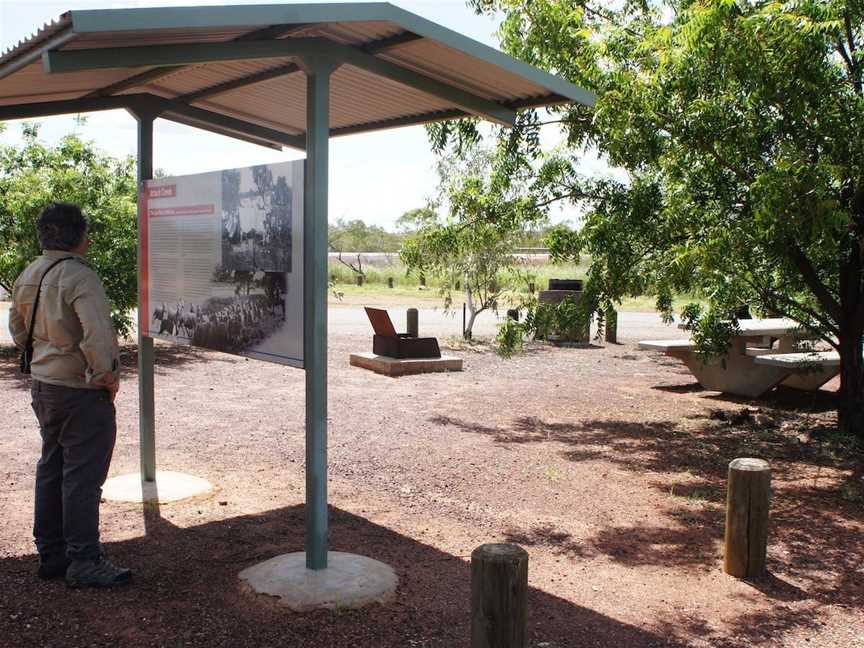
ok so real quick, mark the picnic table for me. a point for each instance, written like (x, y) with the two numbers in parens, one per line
(762, 354)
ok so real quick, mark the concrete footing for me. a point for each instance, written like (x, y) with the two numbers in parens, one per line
(404, 366)
(350, 581)
(168, 487)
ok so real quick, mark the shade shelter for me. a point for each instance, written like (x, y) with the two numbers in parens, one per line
(277, 75)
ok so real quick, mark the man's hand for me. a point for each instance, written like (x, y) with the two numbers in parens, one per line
(109, 382)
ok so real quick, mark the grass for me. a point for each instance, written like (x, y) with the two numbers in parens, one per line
(407, 286)
(378, 275)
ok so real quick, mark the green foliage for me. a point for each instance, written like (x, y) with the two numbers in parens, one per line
(414, 219)
(356, 236)
(472, 249)
(739, 125)
(509, 339)
(566, 321)
(34, 174)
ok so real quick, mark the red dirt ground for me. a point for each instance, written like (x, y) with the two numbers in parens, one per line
(607, 464)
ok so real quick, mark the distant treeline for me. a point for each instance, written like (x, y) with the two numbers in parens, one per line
(358, 236)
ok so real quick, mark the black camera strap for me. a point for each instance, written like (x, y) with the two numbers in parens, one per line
(29, 345)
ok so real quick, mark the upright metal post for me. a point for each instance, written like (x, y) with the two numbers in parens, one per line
(146, 401)
(315, 306)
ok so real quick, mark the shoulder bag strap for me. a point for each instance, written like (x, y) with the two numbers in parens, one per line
(36, 301)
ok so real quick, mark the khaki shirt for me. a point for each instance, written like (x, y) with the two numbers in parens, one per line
(74, 343)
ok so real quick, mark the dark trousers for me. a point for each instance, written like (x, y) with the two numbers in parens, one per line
(78, 428)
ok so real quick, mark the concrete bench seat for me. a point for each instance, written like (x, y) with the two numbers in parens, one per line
(666, 345)
(808, 370)
(680, 349)
(800, 361)
(755, 352)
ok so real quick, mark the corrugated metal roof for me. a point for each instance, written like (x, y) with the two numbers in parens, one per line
(479, 78)
(47, 31)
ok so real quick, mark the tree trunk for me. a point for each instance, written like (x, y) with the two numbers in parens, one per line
(469, 299)
(851, 410)
(470, 325)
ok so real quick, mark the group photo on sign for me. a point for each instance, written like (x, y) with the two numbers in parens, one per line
(223, 260)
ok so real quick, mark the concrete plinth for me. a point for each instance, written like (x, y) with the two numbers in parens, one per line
(350, 581)
(168, 487)
(404, 366)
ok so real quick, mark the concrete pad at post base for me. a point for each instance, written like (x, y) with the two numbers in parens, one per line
(168, 487)
(404, 366)
(349, 581)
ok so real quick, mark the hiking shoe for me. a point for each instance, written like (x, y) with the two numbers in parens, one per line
(52, 567)
(96, 573)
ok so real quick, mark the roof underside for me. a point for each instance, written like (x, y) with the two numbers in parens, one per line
(395, 68)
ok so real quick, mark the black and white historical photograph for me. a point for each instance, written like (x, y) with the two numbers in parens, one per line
(256, 220)
(250, 308)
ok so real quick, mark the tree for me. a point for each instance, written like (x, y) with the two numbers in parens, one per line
(740, 127)
(472, 248)
(414, 219)
(34, 174)
(356, 236)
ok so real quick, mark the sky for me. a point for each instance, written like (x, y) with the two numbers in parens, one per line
(375, 176)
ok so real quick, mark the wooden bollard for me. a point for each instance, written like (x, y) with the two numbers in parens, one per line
(499, 596)
(358, 280)
(747, 503)
(531, 287)
(389, 282)
(611, 322)
(413, 322)
(422, 280)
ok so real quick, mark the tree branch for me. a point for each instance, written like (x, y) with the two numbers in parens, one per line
(578, 193)
(772, 297)
(610, 20)
(811, 278)
(709, 148)
(841, 49)
(358, 269)
(6, 288)
(853, 62)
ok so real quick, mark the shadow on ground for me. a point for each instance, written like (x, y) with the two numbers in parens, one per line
(816, 517)
(167, 357)
(186, 593)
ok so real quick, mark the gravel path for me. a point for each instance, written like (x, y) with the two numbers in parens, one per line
(606, 463)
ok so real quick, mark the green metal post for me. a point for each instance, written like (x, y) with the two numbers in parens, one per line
(146, 401)
(315, 306)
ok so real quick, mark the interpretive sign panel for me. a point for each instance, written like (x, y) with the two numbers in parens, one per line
(222, 261)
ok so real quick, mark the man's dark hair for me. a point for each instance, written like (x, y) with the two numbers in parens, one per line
(61, 226)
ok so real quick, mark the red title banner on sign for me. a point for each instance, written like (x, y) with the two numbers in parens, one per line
(164, 191)
(185, 210)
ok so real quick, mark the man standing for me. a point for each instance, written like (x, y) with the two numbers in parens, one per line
(75, 368)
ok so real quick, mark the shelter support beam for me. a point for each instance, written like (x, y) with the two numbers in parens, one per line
(153, 74)
(283, 70)
(180, 55)
(469, 102)
(146, 357)
(175, 55)
(318, 73)
(170, 109)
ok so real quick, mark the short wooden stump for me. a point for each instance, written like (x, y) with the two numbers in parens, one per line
(748, 502)
(404, 366)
